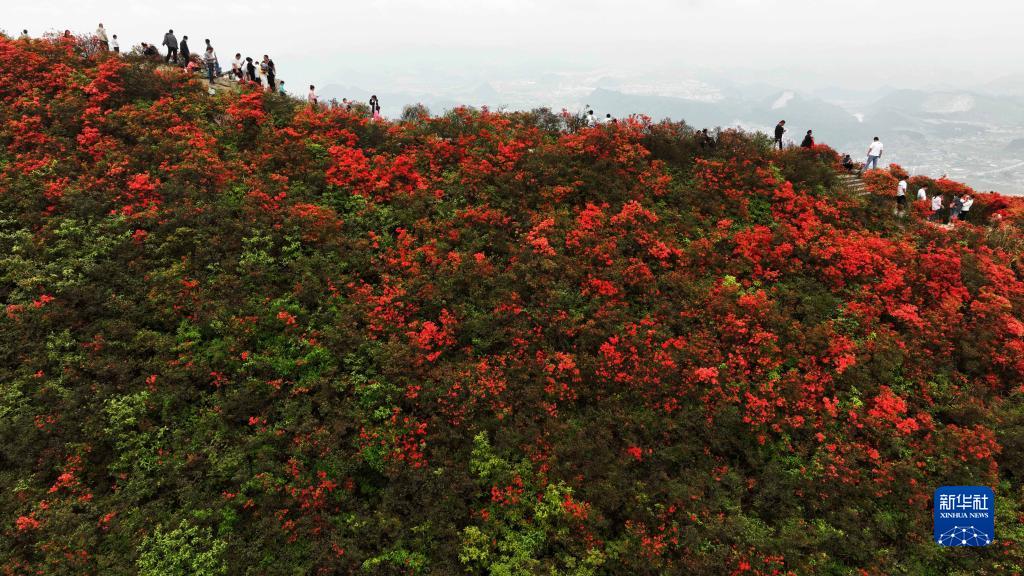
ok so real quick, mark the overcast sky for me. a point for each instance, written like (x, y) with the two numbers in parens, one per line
(802, 43)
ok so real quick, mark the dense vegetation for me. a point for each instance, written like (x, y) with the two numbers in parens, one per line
(241, 336)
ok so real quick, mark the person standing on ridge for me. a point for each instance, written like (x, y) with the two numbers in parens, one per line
(312, 97)
(172, 47)
(955, 208)
(101, 36)
(250, 69)
(114, 44)
(965, 212)
(707, 141)
(901, 197)
(186, 56)
(874, 153)
(936, 207)
(258, 72)
(280, 87)
(210, 59)
(808, 140)
(375, 107)
(217, 63)
(236, 67)
(271, 73)
(780, 130)
(24, 35)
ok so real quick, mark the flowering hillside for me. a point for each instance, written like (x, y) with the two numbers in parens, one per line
(243, 336)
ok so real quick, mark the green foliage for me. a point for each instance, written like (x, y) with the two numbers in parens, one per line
(187, 550)
(518, 538)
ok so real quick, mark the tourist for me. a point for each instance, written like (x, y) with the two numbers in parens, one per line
(312, 97)
(217, 63)
(780, 130)
(848, 163)
(280, 87)
(210, 59)
(965, 210)
(270, 72)
(236, 67)
(874, 153)
(707, 141)
(115, 45)
(186, 56)
(172, 47)
(936, 207)
(922, 194)
(375, 107)
(24, 35)
(250, 69)
(263, 68)
(101, 37)
(901, 197)
(808, 140)
(955, 208)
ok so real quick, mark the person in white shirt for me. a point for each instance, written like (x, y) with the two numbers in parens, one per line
(210, 59)
(114, 44)
(965, 211)
(936, 207)
(901, 197)
(236, 67)
(101, 36)
(311, 97)
(874, 153)
(922, 194)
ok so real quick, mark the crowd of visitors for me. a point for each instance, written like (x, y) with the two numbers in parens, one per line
(959, 207)
(262, 72)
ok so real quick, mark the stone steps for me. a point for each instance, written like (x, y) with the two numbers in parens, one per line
(853, 184)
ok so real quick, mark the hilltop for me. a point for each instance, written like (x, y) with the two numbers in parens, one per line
(245, 336)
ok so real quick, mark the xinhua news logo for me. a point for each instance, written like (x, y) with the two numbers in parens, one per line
(965, 516)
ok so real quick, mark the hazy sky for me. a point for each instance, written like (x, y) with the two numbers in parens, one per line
(802, 43)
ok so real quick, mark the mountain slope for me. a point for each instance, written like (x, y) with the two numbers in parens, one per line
(243, 336)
